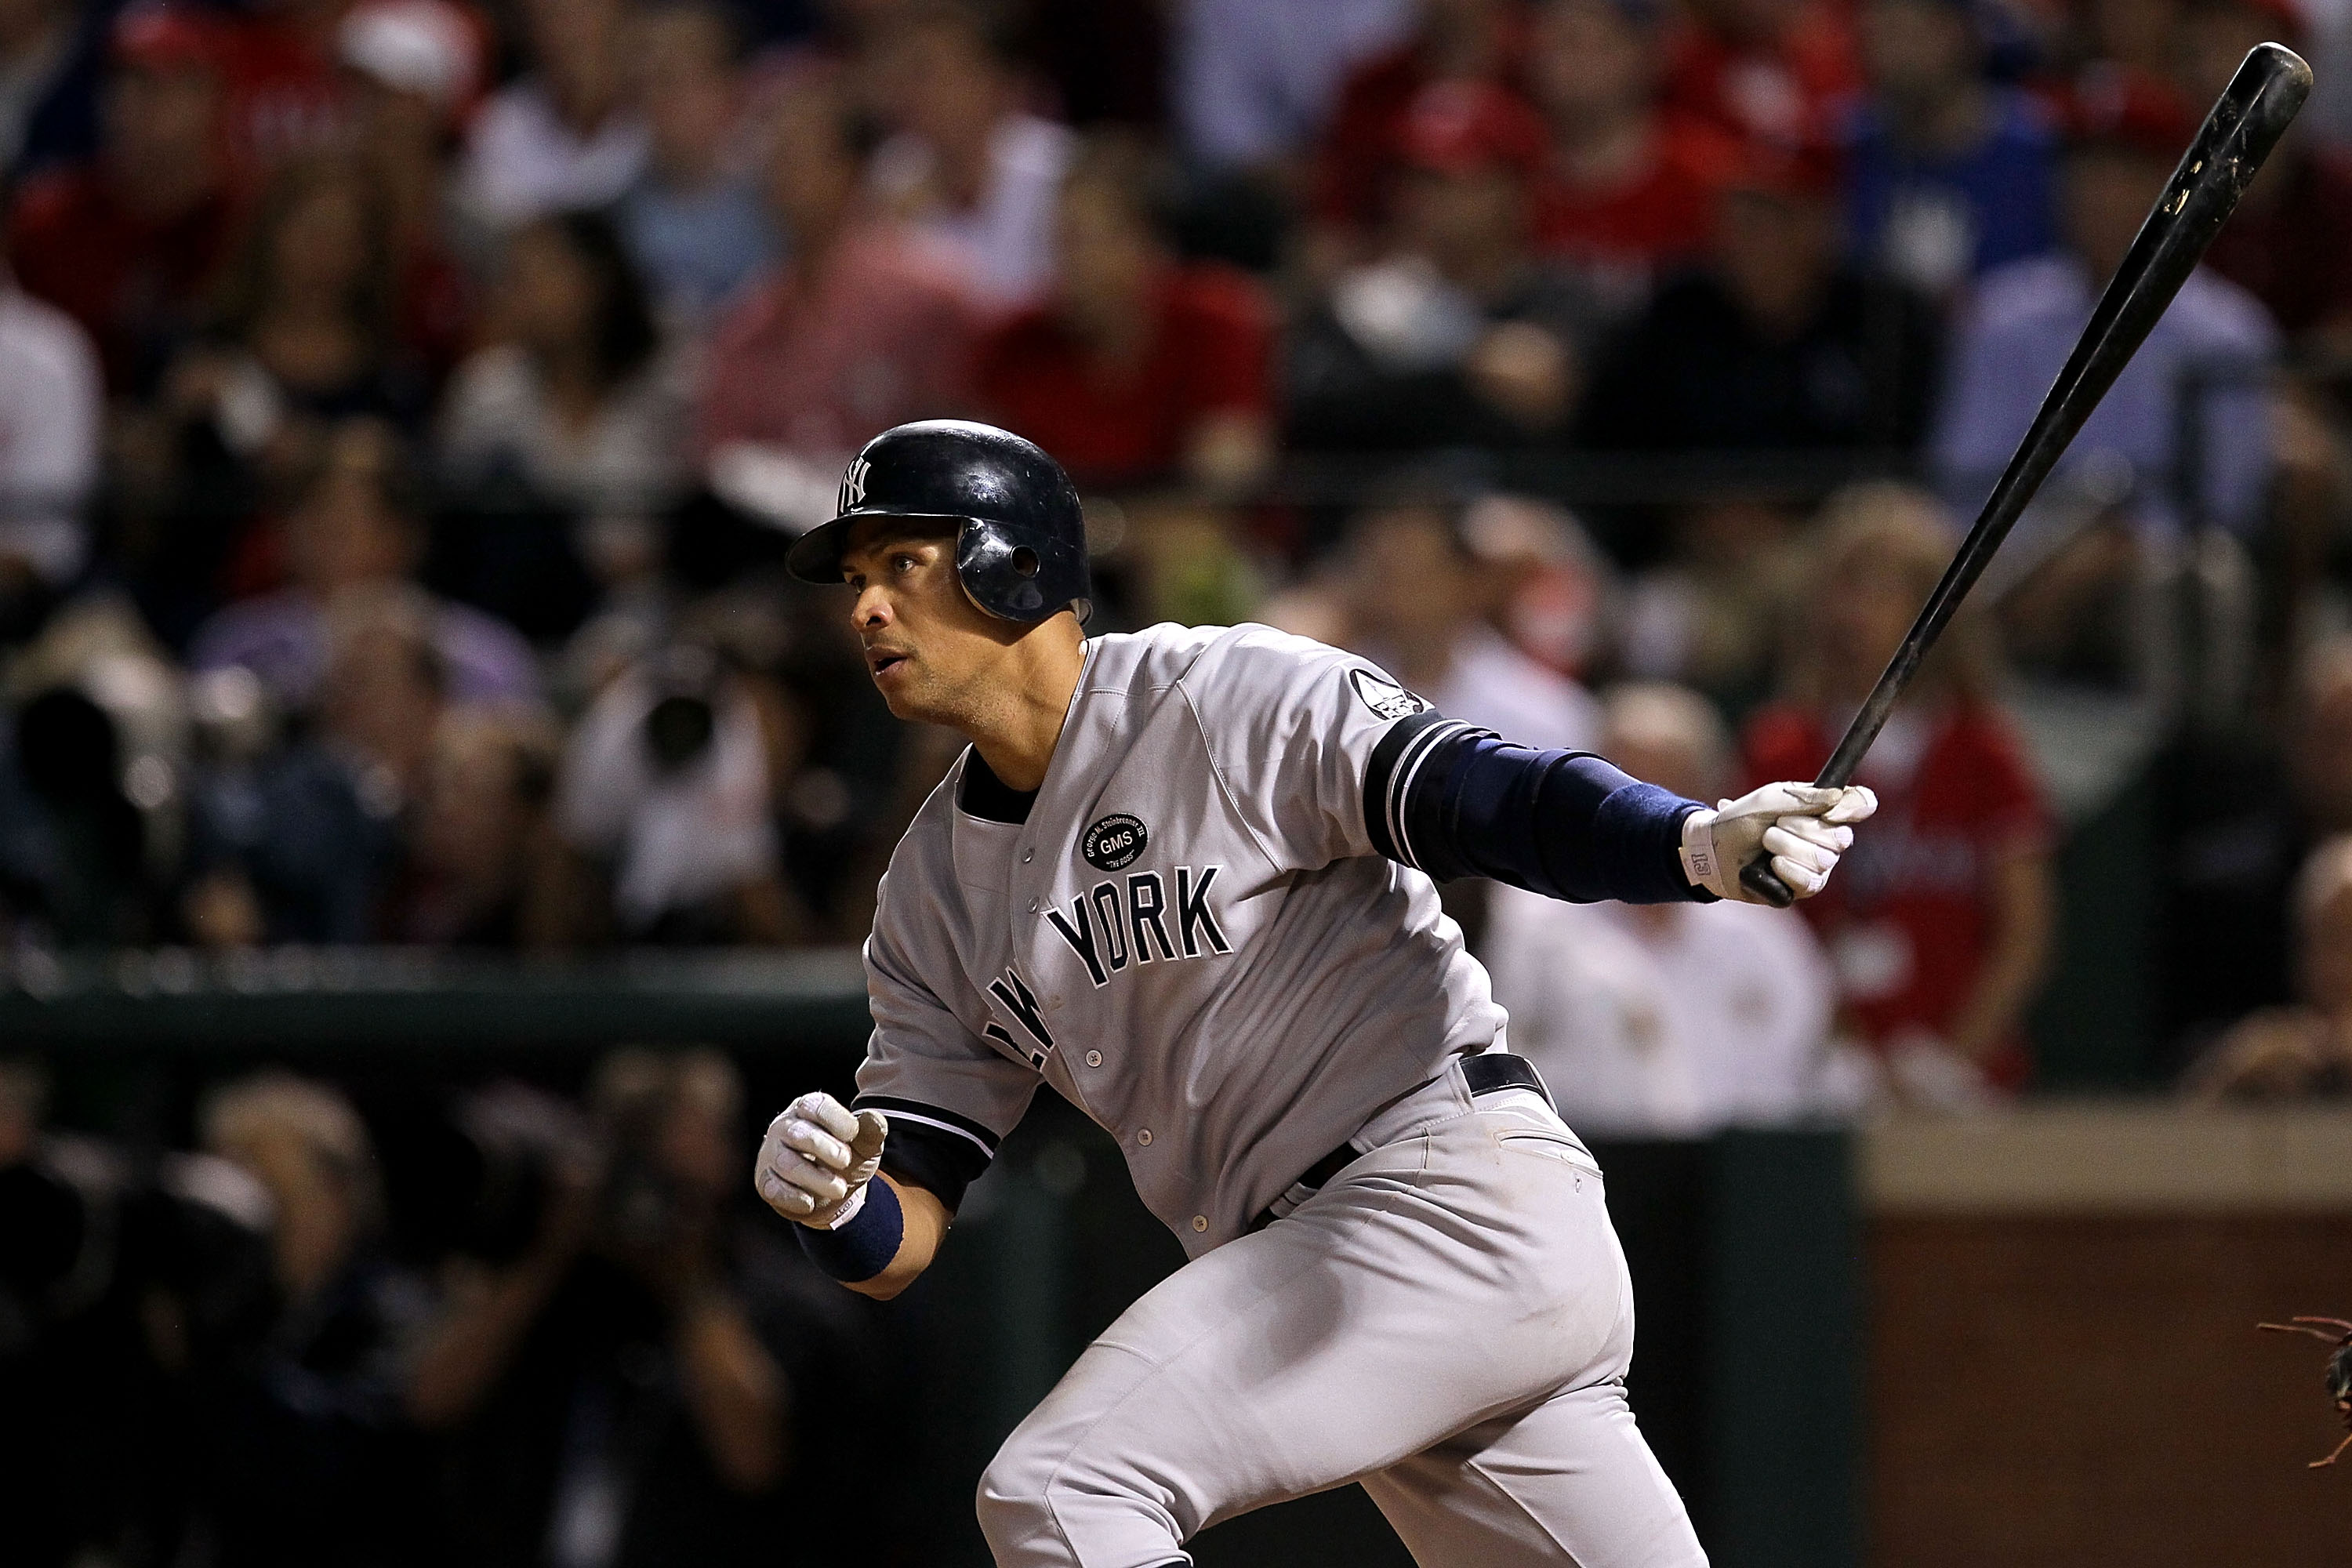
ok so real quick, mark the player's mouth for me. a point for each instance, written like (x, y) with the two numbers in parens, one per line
(881, 661)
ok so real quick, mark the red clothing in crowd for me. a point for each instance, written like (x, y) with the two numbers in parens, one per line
(132, 284)
(1787, 95)
(1907, 917)
(284, 93)
(1662, 213)
(1360, 152)
(884, 336)
(1210, 353)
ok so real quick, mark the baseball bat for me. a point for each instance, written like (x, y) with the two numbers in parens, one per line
(2246, 124)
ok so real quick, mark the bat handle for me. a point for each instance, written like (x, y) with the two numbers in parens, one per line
(1758, 877)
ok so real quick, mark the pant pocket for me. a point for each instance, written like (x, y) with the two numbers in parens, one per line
(1547, 1146)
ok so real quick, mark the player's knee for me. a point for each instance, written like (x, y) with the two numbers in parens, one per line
(1011, 1501)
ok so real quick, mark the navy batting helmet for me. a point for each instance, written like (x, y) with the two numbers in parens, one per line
(1021, 544)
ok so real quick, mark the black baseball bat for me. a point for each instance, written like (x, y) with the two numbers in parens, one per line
(2244, 125)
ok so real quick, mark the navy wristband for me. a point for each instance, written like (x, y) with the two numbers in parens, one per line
(864, 1246)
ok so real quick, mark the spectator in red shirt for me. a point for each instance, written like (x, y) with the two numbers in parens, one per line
(1455, 40)
(1633, 189)
(1765, 70)
(127, 243)
(1942, 929)
(1137, 366)
(863, 327)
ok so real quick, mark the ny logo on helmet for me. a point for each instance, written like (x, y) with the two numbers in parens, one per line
(853, 484)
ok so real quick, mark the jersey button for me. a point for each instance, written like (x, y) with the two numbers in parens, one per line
(1200, 1223)
(1032, 906)
(1144, 1137)
(1094, 1059)
(1027, 856)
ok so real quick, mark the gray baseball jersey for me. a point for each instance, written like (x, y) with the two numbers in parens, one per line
(1192, 936)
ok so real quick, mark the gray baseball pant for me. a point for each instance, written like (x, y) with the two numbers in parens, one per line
(1448, 1321)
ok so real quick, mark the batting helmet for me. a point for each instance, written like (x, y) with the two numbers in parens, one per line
(1021, 544)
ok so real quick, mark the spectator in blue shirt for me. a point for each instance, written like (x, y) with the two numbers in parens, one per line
(1948, 174)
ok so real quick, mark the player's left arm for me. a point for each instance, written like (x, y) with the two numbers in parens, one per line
(1456, 801)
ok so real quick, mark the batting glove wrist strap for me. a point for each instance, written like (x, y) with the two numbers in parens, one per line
(1701, 867)
(860, 1244)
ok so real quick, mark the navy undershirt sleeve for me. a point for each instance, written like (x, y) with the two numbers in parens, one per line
(1455, 801)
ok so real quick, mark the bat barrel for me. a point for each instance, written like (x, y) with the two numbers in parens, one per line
(2246, 124)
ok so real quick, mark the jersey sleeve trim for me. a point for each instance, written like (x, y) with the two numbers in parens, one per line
(945, 1120)
(1389, 778)
(932, 1147)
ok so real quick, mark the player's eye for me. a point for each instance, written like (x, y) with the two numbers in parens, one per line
(902, 563)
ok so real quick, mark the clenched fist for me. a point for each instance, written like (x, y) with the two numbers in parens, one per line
(1803, 828)
(817, 1159)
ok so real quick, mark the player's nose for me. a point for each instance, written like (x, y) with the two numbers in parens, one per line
(870, 609)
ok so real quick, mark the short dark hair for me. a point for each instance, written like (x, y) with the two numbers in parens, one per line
(626, 335)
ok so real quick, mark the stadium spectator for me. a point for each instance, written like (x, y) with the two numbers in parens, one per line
(310, 1456)
(1633, 190)
(74, 847)
(2299, 1052)
(578, 405)
(1460, 335)
(2212, 347)
(1462, 41)
(2243, 819)
(51, 57)
(1255, 79)
(1777, 344)
(565, 136)
(968, 167)
(694, 219)
(1948, 175)
(665, 784)
(484, 866)
(651, 1380)
(385, 691)
(861, 327)
(1943, 934)
(1666, 1020)
(356, 529)
(1706, 612)
(1417, 603)
(306, 326)
(2289, 244)
(1137, 366)
(1769, 72)
(415, 69)
(127, 243)
(51, 412)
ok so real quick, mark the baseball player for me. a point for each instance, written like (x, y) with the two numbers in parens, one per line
(1183, 877)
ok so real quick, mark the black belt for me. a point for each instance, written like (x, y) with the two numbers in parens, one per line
(1488, 1074)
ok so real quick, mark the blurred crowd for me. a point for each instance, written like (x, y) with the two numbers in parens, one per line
(405, 406)
(555, 1340)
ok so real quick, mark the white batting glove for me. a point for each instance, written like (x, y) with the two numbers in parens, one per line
(1802, 828)
(818, 1158)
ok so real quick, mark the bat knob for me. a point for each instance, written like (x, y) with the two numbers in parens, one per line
(1758, 878)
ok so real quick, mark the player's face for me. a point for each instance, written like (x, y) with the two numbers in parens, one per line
(927, 647)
